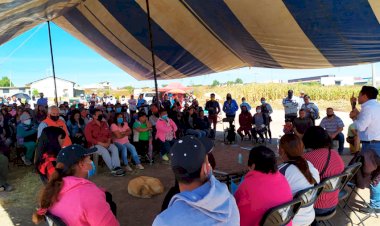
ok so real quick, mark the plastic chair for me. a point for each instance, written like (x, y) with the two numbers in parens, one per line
(345, 196)
(53, 220)
(308, 196)
(332, 184)
(282, 214)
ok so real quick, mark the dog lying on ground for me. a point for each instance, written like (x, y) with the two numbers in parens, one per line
(145, 187)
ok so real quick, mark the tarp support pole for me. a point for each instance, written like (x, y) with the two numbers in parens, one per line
(152, 52)
(52, 64)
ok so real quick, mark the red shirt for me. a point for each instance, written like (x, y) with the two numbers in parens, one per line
(97, 133)
(336, 166)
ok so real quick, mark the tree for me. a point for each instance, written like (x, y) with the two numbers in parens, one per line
(5, 82)
(238, 81)
(35, 92)
(215, 83)
(230, 83)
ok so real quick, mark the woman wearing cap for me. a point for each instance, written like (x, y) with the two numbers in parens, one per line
(70, 196)
(27, 136)
(263, 187)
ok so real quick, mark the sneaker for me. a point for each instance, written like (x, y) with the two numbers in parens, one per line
(165, 157)
(6, 187)
(118, 172)
(26, 161)
(140, 167)
(128, 168)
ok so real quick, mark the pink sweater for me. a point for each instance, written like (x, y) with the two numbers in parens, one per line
(164, 127)
(258, 193)
(82, 203)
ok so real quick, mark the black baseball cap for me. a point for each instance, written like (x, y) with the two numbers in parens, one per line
(72, 154)
(207, 143)
(187, 155)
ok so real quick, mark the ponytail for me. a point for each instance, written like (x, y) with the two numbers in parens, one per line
(50, 192)
(293, 148)
(303, 166)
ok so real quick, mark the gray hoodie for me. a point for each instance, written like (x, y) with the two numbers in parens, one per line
(210, 204)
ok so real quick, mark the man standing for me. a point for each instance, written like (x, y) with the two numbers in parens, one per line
(213, 108)
(202, 197)
(368, 125)
(334, 127)
(301, 100)
(311, 109)
(54, 120)
(42, 101)
(245, 103)
(98, 135)
(132, 105)
(267, 110)
(290, 105)
(123, 101)
(230, 107)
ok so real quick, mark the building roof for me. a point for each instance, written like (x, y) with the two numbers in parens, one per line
(47, 78)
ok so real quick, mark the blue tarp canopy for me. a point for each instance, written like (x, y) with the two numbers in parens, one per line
(197, 37)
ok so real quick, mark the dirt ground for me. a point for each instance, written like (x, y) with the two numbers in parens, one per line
(16, 207)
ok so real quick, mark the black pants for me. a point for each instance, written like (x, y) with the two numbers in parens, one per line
(142, 147)
(111, 203)
(291, 116)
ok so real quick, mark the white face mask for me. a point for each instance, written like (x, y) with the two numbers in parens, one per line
(258, 111)
(28, 122)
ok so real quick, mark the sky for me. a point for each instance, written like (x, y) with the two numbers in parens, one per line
(26, 58)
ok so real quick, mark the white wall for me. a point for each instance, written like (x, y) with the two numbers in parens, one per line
(13, 91)
(46, 86)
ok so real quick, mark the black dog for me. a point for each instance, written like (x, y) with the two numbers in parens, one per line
(231, 134)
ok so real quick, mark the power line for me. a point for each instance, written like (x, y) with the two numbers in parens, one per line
(21, 44)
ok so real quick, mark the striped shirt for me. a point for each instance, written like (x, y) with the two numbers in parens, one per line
(335, 166)
(331, 125)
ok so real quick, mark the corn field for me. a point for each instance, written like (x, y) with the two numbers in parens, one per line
(278, 91)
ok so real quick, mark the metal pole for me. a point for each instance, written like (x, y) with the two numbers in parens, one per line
(373, 76)
(52, 64)
(152, 51)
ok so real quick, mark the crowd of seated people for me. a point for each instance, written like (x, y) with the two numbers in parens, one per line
(171, 132)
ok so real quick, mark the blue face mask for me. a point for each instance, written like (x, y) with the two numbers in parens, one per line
(263, 101)
(164, 117)
(109, 109)
(118, 110)
(120, 120)
(91, 172)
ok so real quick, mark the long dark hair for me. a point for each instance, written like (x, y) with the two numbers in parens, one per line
(264, 159)
(49, 194)
(293, 147)
(72, 119)
(48, 142)
(316, 137)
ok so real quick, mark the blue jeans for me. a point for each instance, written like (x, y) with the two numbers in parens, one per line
(124, 148)
(196, 132)
(340, 139)
(374, 190)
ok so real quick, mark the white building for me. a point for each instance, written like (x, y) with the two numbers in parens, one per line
(65, 88)
(10, 91)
